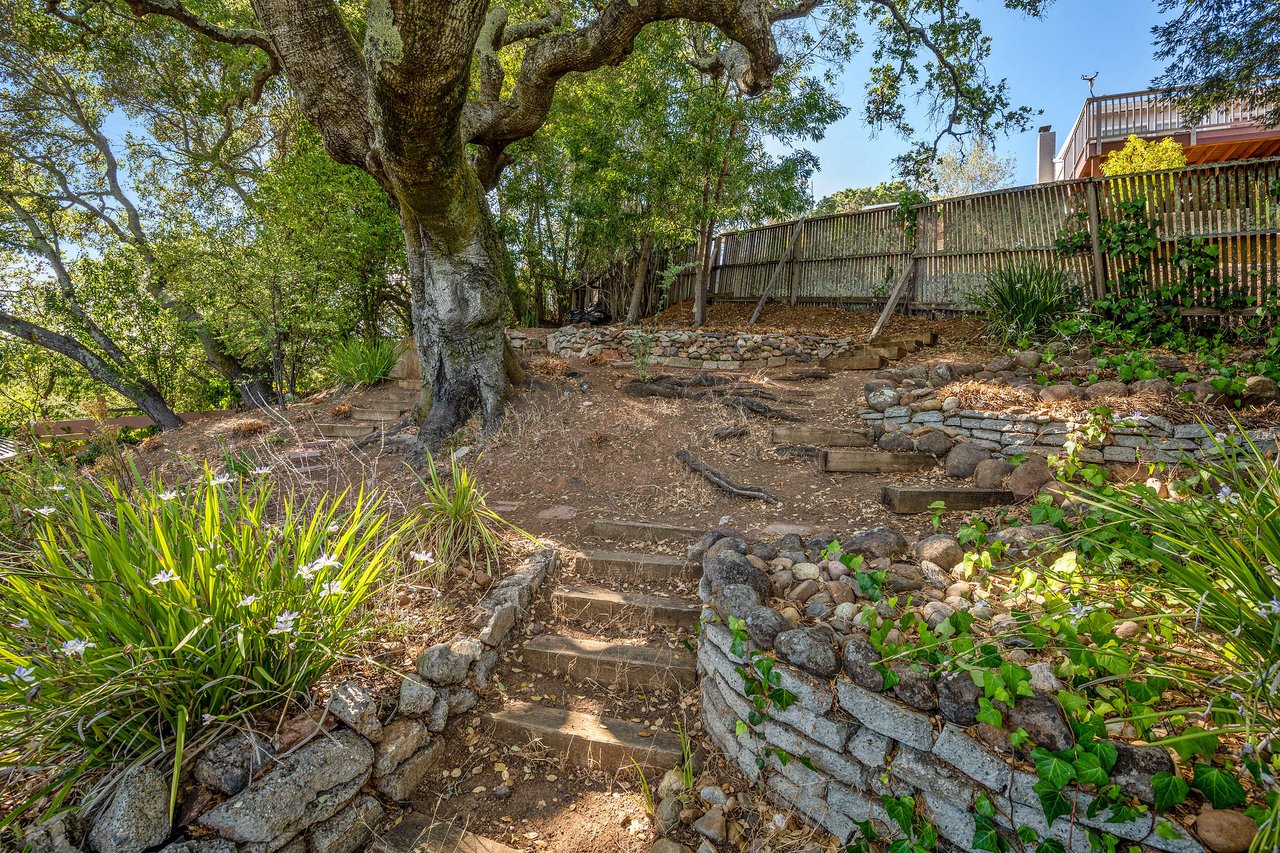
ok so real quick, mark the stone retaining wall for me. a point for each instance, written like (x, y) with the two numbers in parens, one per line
(849, 741)
(325, 795)
(705, 350)
(1133, 438)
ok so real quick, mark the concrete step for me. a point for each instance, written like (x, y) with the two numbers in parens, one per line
(418, 833)
(873, 461)
(410, 384)
(580, 601)
(645, 531)
(635, 565)
(612, 664)
(345, 430)
(584, 739)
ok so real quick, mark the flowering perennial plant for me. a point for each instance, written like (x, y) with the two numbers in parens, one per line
(136, 620)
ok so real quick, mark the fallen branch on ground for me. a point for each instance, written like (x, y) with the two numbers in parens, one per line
(722, 482)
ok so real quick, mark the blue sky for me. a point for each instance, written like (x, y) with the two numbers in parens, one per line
(1042, 59)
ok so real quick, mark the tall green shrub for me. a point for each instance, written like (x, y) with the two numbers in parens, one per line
(1024, 299)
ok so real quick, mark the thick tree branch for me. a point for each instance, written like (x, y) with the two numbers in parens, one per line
(180, 13)
(141, 392)
(607, 40)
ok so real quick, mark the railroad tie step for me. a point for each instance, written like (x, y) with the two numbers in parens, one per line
(873, 461)
(624, 530)
(592, 603)
(612, 664)
(419, 833)
(822, 436)
(635, 565)
(915, 499)
(378, 414)
(586, 740)
(344, 430)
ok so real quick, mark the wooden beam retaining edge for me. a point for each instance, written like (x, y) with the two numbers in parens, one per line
(914, 499)
(821, 436)
(873, 462)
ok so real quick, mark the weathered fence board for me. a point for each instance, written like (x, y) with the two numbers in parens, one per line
(856, 258)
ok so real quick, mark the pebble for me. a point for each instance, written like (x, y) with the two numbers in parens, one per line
(959, 588)
(805, 571)
(714, 795)
(1127, 630)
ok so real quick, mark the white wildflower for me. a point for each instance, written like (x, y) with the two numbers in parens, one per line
(285, 623)
(331, 588)
(167, 496)
(45, 511)
(1270, 608)
(262, 469)
(248, 601)
(22, 624)
(76, 647)
(24, 674)
(164, 576)
(220, 480)
(422, 556)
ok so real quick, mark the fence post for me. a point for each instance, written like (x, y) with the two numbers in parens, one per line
(1095, 228)
(796, 257)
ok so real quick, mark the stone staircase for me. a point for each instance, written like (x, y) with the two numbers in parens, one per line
(606, 631)
(397, 399)
(596, 622)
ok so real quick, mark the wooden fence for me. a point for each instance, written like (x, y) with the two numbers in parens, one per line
(855, 259)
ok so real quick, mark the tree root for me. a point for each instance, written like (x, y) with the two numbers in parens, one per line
(756, 407)
(718, 480)
(727, 432)
(814, 373)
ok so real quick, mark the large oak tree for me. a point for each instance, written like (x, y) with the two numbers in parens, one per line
(427, 95)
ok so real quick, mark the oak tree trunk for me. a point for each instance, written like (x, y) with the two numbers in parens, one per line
(460, 310)
(637, 287)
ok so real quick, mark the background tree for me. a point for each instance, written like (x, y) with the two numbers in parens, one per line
(1217, 52)
(977, 168)
(433, 98)
(1141, 155)
(853, 199)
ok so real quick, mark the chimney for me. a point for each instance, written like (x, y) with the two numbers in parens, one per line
(1046, 148)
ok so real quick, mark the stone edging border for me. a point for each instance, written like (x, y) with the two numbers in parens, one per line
(325, 795)
(706, 350)
(860, 742)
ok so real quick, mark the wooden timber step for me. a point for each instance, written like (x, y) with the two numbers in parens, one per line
(410, 384)
(580, 601)
(859, 360)
(644, 531)
(873, 461)
(909, 499)
(613, 664)
(380, 414)
(635, 565)
(419, 833)
(344, 430)
(585, 739)
(822, 436)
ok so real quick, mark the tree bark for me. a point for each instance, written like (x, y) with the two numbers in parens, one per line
(459, 316)
(637, 287)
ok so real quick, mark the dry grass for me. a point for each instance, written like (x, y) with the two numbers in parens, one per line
(342, 410)
(248, 427)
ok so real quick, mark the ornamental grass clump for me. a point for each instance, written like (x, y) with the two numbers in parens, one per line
(1024, 300)
(362, 362)
(1208, 559)
(137, 620)
(460, 527)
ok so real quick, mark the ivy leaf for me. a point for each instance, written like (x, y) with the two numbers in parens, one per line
(983, 805)
(1019, 738)
(1053, 771)
(1222, 789)
(1164, 829)
(1052, 801)
(1204, 743)
(1107, 754)
(1027, 834)
(1088, 768)
(1051, 845)
(1170, 790)
(988, 714)
(901, 809)
(985, 836)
